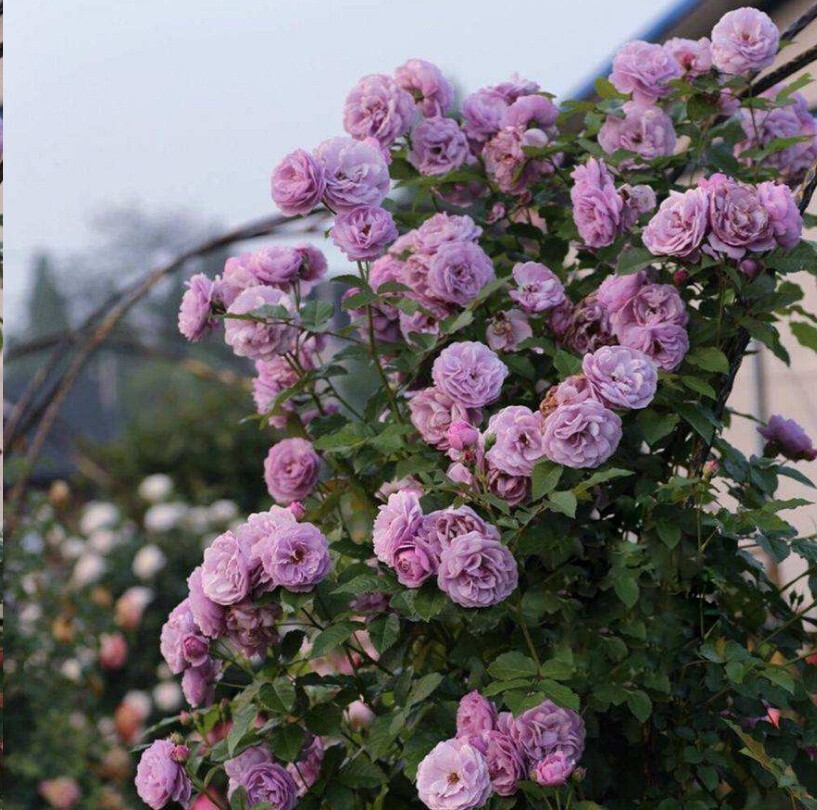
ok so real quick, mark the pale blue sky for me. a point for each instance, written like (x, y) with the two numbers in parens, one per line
(189, 103)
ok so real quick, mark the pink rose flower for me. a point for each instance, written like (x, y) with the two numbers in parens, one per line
(453, 776)
(377, 107)
(645, 70)
(744, 41)
(291, 470)
(298, 183)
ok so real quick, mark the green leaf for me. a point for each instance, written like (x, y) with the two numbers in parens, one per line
(606, 90)
(564, 502)
(656, 426)
(544, 478)
(806, 334)
(566, 364)
(243, 719)
(701, 419)
(602, 476)
(278, 696)
(317, 315)
(669, 532)
(384, 631)
(632, 260)
(640, 704)
(512, 665)
(626, 588)
(709, 358)
(286, 741)
(331, 637)
(430, 601)
(360, 772)
(423, 687)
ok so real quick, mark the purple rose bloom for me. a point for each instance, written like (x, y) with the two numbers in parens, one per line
(516, 87)
(306, 770)
(475, 714)
(506, 765)
(433, 412)
(377, 107)
(313, 263)
(438, 146)
(198, 683)
(160, 775)
(196, 311)
(276, 265)
(645, 70)
(432, 92)
(680, 225)
(272, 378)
(744, 41)
(637, 200)
(520, 443)
(208, 615)
(574, 389)
(507, 164)
(651, 305)
(665, 343)
(181, 641)
(513, 489)
(507, 329)
(645, 130)
(458, 271)
(291, 470)
(453, 776)
(738, 220)
(694, 56)
(470, 373)
(788, 439)
(482, 114)
(397, 522)
(548, 728)
(615, 291)
(582, 435)
(363, 233)
(225, 572)
(621, 377)
(554, 770)
(538, 288)
(271, 783)
(296, 557)
(261, 529)
(445, 525)
(253, 627)
(415, 559)
(589, 326)
(784, 216)
(530, 112)
(260, 340)
(356, 173)
(441, 228)
(297, 183)
(597, 206)
(422, 322)
(477, 571)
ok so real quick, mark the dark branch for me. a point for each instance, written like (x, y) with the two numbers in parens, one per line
(784, 71)
(800, 23)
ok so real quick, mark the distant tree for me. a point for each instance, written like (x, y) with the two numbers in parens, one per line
(48, 309)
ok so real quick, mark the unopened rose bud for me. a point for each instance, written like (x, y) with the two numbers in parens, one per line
(359, 715)
(680, 276)
(751, 268)
(59, 494)
(186, 719)
(297, 509)
(462, 434)
(711, 469)
(180, 753)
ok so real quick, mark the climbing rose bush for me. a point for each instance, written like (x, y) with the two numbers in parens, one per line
(511, 560)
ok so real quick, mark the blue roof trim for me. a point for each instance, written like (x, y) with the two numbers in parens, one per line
(673, 15)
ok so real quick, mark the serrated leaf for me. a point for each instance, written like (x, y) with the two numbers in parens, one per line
(669, 532)
(640, 704)
(511, 665)
(806, 335)
(564, 502)
(633, 260)
(626, 589)
(384, 631)
(331, 637)
(709, 358)
(423, 687)
(544, 478)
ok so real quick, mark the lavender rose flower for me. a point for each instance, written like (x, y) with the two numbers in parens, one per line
(548, 728)
(253, 626)
(356, 173)
(198, 683)
(519, 444)
(788, 439)
(615, 291)
(260, 530)
(506, 765)
(272, 378)
(507, 164)
(475, 714)
(589, 326)
(597, 206)
(432, 92)
(477, 571)
(785, 219)
(453, 776)
(582, 435)
(458, 271)
(296, 557)
(482, 114)
(530, 112)
(442, 228)
(651, 305)
(416, 559)
(377, 107)
(306, 770)
(260, 340)
(225, 572)
(438, 146)
(693, 56)
(363, 233)
(738, 219)
(666, 344)
(516, 87)
(680, 225)
(263, 779)
(397, 522)
(276, 265)
(470, 373)
(513, 489)
(160, 775)
(554, 770)
(208, 615)
(621, 377)
(298, 183)
(645, 129)
(645, 70)
(181, 641)
(291, 470)
(196, 310)
(433, 412)
(744, 41)
(637, 200)
(507, 330)
(445, 525)
(576, 388)
(538, 288)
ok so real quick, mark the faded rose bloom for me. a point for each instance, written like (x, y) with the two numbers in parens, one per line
(744, 41)
(589, 326)
(444, 525)
(358, 715)
(433, 412)
(363, 233)
(252, 626)
(196, 310)
(665, 343)
(415, 559)
(475, 714)
(621, 377)
(637, 200)
(61, 793)
(453, 776)
(438, 146)
(615, 291)
(530, 112)
(377, 107)
(207, 614)
(356, 173)
(432, 92)
(554, 770)
(181, 641)
(575, 388)
(548, 728)
(291, 470)
(538, 288)
(272, 378)
(265, 339)
(651, 305)
(160, 775)
(507, 330)
(482, 114)
(306, 770)
(198, 683)
(560, 318)
(583, 435)
(477, 571)
(296, 557)
(680, 225)
(313, 264)
(458, 271)
(645, 129)
(694, 56)
(507, 164)
(787, 438)
(225, 573)
(423, 323)
(513, 489)
(645, 70)
(784, 216)
(738, 219)
(597, 206)
(470, 373)
(397, 522)
(441, 228)
(519, 444)
(297, 183)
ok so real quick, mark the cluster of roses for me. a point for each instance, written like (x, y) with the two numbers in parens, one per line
(493, 752)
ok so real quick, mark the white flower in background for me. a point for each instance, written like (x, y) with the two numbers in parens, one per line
(77, 721)
(131, 605)
(88, 569)
(103, 541)
(55, 536)
(222, 512)
(30, 583)
(197, 519)
(163, 672)
(156, 488)
(32, 543)
(148, 561)
(162, 517)
(98, 515)
(140, 702)
(44, 513)
(29, 615)
(167, 696)
(71, 670)
(107, 729)
(73, 548)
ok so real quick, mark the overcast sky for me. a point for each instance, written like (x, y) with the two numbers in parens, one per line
(188, 104)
